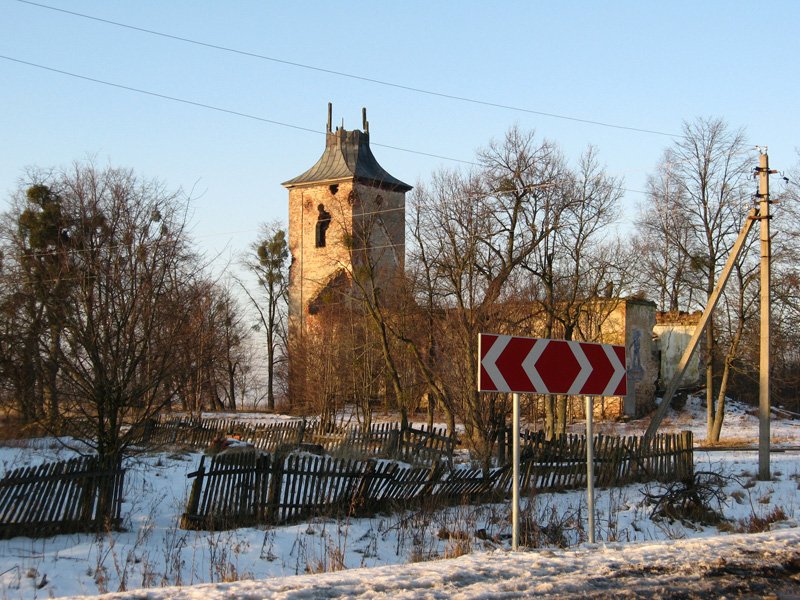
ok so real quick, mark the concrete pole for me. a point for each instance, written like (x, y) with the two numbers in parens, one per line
(763, 373)
(515, 482)
(590, 466)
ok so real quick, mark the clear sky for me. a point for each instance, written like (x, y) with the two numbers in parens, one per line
(640, 64)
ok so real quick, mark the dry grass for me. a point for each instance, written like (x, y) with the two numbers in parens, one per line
(757, 524)
(741, 442)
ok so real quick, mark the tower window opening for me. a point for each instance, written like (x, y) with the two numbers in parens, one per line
(323, 222)
(333, 188)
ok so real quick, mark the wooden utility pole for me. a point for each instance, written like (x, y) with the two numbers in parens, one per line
(763, 375)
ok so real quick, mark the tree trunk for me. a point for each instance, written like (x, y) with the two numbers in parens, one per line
(549, 417)
(709, 380)
(270, 374)
(561, 415)
(51, 383)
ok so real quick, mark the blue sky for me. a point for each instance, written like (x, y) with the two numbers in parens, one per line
(647, 65)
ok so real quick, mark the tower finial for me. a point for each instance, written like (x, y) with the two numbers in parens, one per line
(330, 116)
(364, 122)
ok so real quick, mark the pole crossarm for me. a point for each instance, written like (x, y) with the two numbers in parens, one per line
(674, 383)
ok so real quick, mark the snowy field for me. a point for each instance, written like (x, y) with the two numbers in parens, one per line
(297, 561)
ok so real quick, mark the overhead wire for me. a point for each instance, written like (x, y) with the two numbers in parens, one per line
(414, 89)
(273, 121)
(281, 123)
(239, 113)
(219, 109)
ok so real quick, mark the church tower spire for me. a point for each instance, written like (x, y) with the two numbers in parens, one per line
(344, 209)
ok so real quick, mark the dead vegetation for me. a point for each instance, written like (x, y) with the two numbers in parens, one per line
(695, 500)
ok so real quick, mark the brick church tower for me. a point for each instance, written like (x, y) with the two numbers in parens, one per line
(342, 210)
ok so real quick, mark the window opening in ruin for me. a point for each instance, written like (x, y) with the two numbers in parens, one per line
(323, 222)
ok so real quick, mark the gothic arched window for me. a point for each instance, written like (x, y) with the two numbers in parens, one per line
(323, 222)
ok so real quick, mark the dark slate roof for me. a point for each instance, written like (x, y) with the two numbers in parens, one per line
(347, 155)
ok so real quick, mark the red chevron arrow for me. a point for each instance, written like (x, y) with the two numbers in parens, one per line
(539, 366)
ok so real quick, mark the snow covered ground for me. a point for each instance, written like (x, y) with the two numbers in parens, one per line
(752, 565)
(277, 562)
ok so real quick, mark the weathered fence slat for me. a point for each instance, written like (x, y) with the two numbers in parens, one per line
(81, 494)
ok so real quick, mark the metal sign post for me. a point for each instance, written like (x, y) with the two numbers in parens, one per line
(515, 483)
(521, 365)
(590, 466)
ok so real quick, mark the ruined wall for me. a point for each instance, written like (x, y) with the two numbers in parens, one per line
(672, 338)
(624, 322)
(642, 364)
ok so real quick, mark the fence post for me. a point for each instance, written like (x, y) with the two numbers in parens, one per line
(502, 459)
(194, 496)
(394, 443)
(434, 475)
(688, 454)
(89, 477)
(361, 497)
(106, 491)
(274, 494)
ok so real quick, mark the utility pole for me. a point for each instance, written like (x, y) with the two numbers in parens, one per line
(763, 375)
(762, 215)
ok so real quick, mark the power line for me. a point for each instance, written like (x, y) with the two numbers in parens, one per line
(356, 77)
(245, 115)
(242, 114)
(220, 109)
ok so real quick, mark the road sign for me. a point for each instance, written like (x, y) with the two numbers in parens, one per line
(539, 366)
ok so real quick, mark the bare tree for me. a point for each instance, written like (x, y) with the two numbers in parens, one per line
(577, 263)
(738, 311)
(663, 231)
(380, 295)
(124, 253)
(21, 321)
(268, 262)
(785, 333)
(710, 165)
(217, 353)
(475, 232)
(37, 232)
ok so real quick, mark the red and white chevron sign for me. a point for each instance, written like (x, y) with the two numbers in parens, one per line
(538, 366)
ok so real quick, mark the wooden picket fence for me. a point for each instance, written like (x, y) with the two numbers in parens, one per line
(78, 495)
(618, 460)
(425, 445)
(417, 445)
(247, 487)
(200, 433)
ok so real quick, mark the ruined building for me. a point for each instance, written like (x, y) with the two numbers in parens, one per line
(341, 208)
